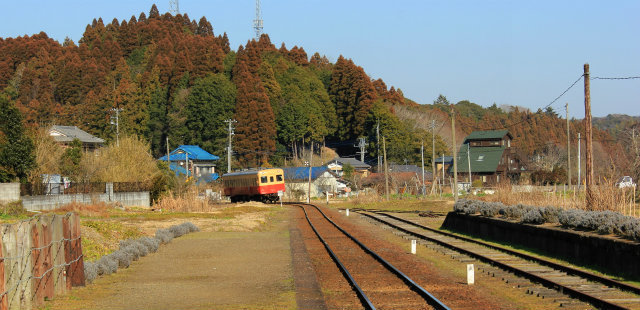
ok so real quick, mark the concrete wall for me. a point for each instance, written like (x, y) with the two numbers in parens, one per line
(610, 255)
(9, 192)
(51, 202)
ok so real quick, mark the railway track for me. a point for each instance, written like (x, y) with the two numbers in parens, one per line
(376, 282)
(545, 278)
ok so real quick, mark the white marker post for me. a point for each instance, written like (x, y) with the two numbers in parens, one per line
(413, 246)
(280, 196)
(347, 212)
(470, 274)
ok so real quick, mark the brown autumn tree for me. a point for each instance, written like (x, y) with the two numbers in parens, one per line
(256, 129)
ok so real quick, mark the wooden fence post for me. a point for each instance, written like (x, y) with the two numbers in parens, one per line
(47, 263)
(58, 253)
(66, 233)
(78, 270)
(3, 298)
(37, 269)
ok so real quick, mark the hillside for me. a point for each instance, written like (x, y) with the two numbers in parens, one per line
(173, 79)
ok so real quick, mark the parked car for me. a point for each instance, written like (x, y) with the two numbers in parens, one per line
(625, 181)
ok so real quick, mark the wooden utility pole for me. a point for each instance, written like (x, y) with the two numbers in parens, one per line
(168, 160)
(579, 164)
(378, 142)
(566, 106)
(310, 165)
(588, 134)
(424, 189)
(433, 156)
(386, 170)
(455, 160)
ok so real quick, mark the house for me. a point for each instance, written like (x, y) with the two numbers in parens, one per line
(489, 156)
(64, 135)
(359, 168)
(296, 181)
(191, 160)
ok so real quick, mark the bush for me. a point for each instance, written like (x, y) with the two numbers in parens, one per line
(603, 222)
(132, 249)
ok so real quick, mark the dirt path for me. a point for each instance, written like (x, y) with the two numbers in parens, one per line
(203, 270)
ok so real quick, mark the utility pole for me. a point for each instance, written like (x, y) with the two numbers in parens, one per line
(168, 160)
(310, 165)
(588, 133)
(117, 110)
(433, 156)
(442, 176)
(469, 161)
(386, 173)
(424, 189)
(566, 106)
(361, 144)
(579, 166)
(229, 150)
(378, 140)
(455, 160)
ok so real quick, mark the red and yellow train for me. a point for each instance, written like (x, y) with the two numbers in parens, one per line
(257, 185)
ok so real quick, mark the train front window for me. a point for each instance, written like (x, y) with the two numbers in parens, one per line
(279, 177)
(263, 180)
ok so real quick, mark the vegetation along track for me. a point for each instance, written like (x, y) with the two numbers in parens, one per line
(375, 280)
(558, 281)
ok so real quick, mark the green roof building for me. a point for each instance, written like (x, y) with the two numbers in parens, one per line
(489, 156)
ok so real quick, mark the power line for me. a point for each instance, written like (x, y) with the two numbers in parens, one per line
(616, 78)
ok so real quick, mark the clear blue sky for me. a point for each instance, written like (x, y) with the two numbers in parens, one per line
(521, 53)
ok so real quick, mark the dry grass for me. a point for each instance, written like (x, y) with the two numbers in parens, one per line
(96, 209)
(606, 196)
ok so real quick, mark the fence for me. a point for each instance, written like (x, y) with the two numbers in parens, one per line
(39, 258)
(36, 189)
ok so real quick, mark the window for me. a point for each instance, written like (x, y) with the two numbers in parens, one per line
(484, 179)
(263, 180)
(494, 143)
(271, 179)
(508, 143)
(279, 177)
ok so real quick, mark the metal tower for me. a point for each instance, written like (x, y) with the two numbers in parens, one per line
(257, 23)
(174, 7)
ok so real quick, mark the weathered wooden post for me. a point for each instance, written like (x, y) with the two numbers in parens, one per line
(58, 254)
(36, 283)
(66, 233)
(77, 267)
(3, 298)
(47, 263)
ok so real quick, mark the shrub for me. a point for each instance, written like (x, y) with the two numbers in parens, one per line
(603, 222)
(132, 249)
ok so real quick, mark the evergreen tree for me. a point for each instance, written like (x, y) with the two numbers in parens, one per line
(255, 130)
(16, 148)
(353, 95)
(210, 102)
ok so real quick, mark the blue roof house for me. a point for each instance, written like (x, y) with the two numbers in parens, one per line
(296, 181)
(191, 160)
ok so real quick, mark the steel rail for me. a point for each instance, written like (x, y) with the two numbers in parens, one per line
(428, 297)
(361, 295)
(542, 261)
(546, 282)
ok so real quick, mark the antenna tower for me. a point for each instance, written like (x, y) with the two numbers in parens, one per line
(257, 23)
(174, 7)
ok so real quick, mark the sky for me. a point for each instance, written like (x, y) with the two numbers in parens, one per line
(523, 53)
